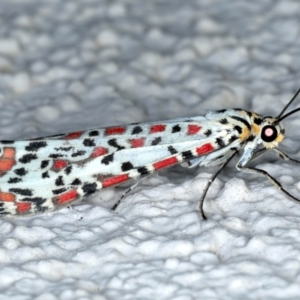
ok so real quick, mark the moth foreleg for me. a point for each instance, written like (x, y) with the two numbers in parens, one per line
(285, 156)
(266, 174)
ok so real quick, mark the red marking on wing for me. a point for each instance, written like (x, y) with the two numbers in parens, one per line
(59, 164)
(7, 197)
(206, 148)
(193, 129)
(9, 152)
(165, 163)
(114, 130)
(7, 159)
(73, 135)
(157, 128)
(23, 206)
(137, 143)
(6, 164)
(98, 151)
(114, 180)
(66, 197)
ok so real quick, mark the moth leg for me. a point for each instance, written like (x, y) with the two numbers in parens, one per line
(210, 181)
(285, 156)
(280, 153)
(259, 153)
(127, 192)
(242, 168)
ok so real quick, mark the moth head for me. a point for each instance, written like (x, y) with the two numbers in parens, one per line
(271, 133)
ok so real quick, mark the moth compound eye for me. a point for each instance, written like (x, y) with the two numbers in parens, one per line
(269, 133)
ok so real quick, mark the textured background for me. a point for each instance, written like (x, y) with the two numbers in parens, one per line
(69, 65)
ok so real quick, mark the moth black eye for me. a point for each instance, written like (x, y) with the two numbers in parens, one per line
(269, 133)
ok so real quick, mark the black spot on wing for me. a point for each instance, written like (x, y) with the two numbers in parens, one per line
(59, 181)
(108, 159)
(208, 132)
(89, 143)
(172, 150)
(68, 169)
(45, 175)
(136, 130)
(21, 171)
(35, 146)
(156, 141)
(65, 149)
(224, 121)
(14, 180)
(27, 158)
(44, 164)
(220, 142)
(22, 192)
(126, 166)
(187, 155)
(89, 188)
(76, 181)
(220, 111)
(78, 153)
(176, 128)
(143, 171)
(94, 133)
(56, 155)
(113, 143)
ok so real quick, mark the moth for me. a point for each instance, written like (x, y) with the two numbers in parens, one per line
(43, 174)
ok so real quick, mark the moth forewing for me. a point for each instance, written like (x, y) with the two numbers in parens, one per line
(47, 173)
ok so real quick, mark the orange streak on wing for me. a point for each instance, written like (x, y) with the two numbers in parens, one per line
(114, 180)
(157, 128)
(23, 206)
(66, 197)
(204, 149)
(6, 164)
(59, 164)
(73, 135)
(137, 143)
(8, 159)
(193, 129)
(9, 152)
(98, 151)
(114, 130)
(7, 197)
(165, 163)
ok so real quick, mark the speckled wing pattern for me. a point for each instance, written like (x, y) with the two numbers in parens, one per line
(43, 174)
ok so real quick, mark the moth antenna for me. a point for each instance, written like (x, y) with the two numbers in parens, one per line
(280, 116)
